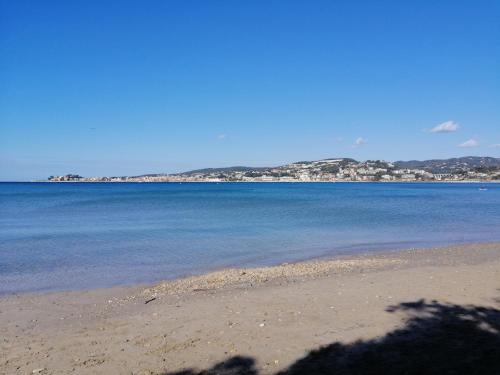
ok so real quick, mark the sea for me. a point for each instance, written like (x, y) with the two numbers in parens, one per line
(72, 236)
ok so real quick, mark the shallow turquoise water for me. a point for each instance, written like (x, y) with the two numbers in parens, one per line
(76, 235)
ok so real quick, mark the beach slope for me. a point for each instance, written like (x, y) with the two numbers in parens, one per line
(412, 311)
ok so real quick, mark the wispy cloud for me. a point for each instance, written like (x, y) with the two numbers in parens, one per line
(360, 141)
(221, 136)
(469, 143)
(445, 127)
(495, 145)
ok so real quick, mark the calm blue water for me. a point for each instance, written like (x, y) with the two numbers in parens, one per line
(72, 236)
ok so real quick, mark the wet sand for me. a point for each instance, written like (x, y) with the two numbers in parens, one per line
(250, 320)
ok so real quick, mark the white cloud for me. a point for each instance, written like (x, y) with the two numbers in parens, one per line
(221, 136)
(360, 141)
(445, 127)
(469, 143)
(496, 145)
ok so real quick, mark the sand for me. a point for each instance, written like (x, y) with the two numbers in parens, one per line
(395, 311)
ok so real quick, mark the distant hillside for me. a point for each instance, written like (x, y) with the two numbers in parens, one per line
(450, 165)
(433, 165)
(342, 162)
(225, 170)
(332, 169)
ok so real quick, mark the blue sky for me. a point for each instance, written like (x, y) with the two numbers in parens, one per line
(128, 87)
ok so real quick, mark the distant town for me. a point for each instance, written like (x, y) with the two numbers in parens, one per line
(471, 168)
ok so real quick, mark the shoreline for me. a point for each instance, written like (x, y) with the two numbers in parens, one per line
(262, 182)
(317, 267)
(291, 271)
(273, 315)
(288, 271)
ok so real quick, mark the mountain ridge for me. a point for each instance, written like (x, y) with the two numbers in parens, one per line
(450, 164)
(430, 165)
(333, 169)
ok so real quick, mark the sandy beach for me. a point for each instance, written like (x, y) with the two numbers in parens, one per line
(410, 311)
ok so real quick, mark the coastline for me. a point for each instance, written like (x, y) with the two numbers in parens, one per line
(274, 315)
(264, 182)
(291, 272)
(287, 272)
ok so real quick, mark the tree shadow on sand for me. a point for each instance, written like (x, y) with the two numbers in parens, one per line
(436, 339)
